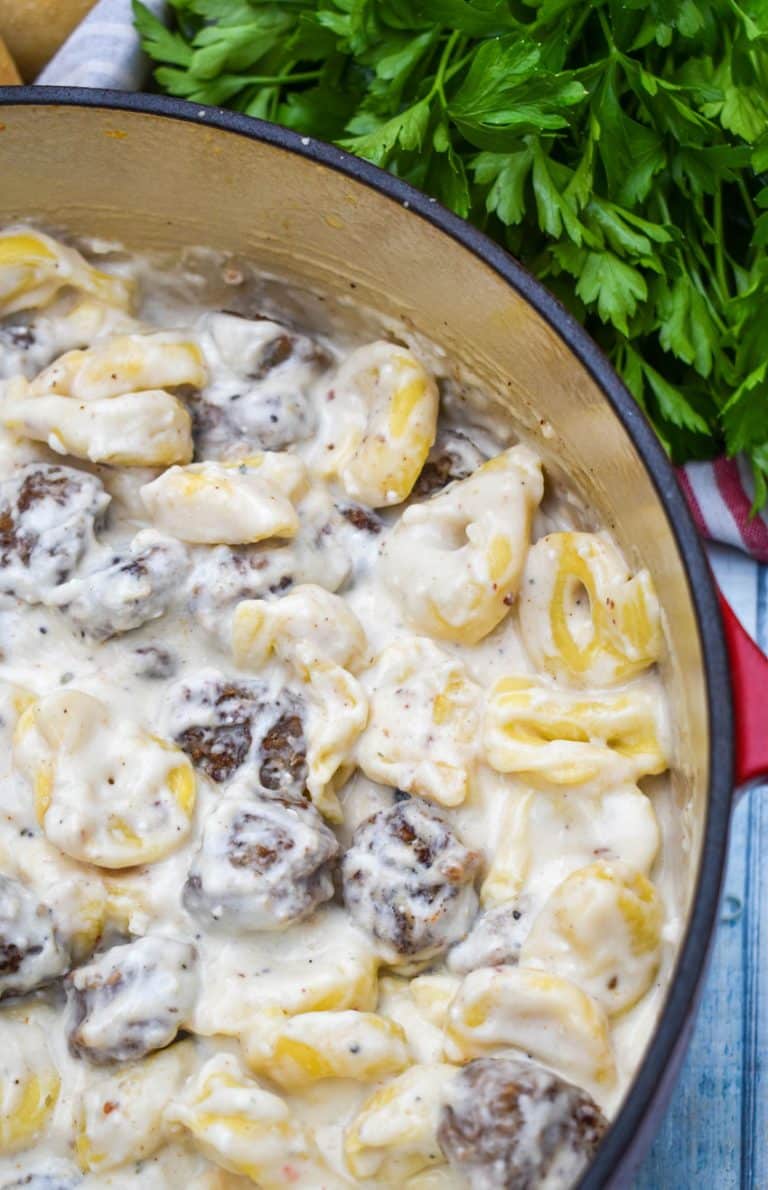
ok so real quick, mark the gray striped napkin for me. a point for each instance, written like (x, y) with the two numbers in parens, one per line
(103, 51)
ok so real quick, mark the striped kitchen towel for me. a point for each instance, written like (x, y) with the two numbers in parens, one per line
(720, 496)
(103, 51)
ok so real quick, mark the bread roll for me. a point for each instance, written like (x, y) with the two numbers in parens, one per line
(34, 29)
(9, 75)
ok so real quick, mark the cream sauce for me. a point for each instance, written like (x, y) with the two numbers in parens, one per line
(172, 654)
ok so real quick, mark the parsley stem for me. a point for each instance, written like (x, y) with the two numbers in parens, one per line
(722, 280)
(575, 32)
(746, 198)
(689, 262)
(459, 65)
(606, 30)
(277, 80)
(448, 48)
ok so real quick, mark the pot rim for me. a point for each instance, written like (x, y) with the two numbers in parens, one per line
(631, 1122)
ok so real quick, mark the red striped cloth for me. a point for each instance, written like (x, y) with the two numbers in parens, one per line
(720, 497)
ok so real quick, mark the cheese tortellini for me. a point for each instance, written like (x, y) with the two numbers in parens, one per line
(338, 712)
(455, 561)
(387, 417)
(29, 1081)
(601, 928)
(394, 1135)
(566, 738)
(307, 626)
(316, 635)
(423, 724)
(123, 364)
(109, 403)
(245, 1128)
(297, 1050)
(228, 503)
(420, 1007)
(75, 897)
(119, 1118)
(105, 791)
(583, 616)
(538, 1013)
(146, 429)
(34, 268)
(619, 823)
(323, 965)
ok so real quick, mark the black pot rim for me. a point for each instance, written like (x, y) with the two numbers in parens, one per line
(636, 1112)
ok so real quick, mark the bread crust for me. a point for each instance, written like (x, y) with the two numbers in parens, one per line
(33, 30)
(9, 75)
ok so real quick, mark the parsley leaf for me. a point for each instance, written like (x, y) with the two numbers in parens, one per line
(158, 41)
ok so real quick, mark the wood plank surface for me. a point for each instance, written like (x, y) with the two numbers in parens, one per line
(716, 1130)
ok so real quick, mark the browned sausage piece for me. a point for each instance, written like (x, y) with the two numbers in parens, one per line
(31, 954)
(263, 865)
(48, 517)
(223, 724)
(131, 999)
(513, 1125)
(132, 587)
(453, 456)
(408, 880)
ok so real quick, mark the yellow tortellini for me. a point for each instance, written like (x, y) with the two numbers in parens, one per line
(105, 791)
(568, 739)
(601, 928)
(34, 268)
(316, 635)
(14, 700)
(455, 561)
(394, 1135)
(79, 320)
(583, 616)
(294, 1051)
(541, 1014)
(438, 1177)
(554, 832)
(146, 429)
(420, 1007)
(513, 852)
(109, 403)
(119, 1117)
(123, 364)
(307, 625)
(77, 897)
(422, 734)
(338, 712)
(386, 415)
(324, 965)
(244, 1128)
(216, 503)
(29, 1081)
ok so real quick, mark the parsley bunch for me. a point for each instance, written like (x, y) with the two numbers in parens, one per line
(616, 147)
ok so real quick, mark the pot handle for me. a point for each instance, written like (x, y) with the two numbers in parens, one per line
(749, 679)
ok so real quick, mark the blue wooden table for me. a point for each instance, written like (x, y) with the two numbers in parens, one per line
(716, 1130)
